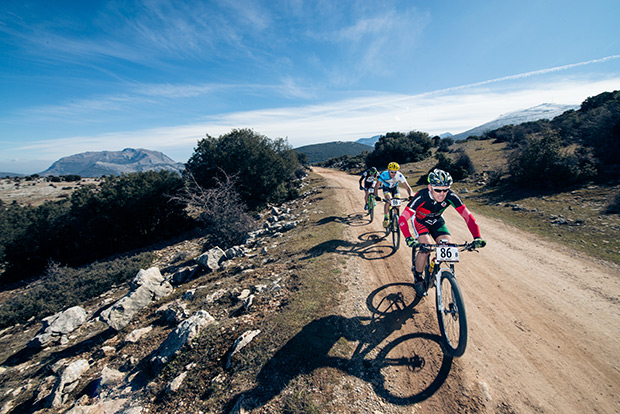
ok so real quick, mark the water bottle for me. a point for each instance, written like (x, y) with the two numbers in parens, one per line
(431, 266)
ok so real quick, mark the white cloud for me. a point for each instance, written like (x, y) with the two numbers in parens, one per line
(348, 120)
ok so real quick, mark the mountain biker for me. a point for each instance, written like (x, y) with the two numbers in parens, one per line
(368, 177)
(427, 206)
(389, 180)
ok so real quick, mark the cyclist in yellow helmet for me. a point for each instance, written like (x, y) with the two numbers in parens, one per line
(388, 180)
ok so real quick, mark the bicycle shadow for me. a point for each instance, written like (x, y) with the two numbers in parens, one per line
(353, 220)
(312, 347)
(367, 248)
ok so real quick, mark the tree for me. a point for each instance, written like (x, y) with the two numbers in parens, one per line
(543, 163)
(265, 168)
(401, 148)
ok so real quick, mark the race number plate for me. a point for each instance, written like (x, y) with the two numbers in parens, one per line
(395, 202)
(447, 254)
(371, 190)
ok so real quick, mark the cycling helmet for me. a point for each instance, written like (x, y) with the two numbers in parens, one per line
(373, 171)
(440, 178)
(393, 166)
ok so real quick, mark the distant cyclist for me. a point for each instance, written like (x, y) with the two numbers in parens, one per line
(428, 206)
(369, 177)
(389, 180)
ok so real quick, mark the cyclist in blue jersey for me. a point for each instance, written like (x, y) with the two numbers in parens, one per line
(388, 180)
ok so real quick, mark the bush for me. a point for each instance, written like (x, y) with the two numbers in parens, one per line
(543, 163)
(124, 213)
(462, 168)
(62, 287)
(219, 210)
(401, 148)
(614, 207)
(263, 167)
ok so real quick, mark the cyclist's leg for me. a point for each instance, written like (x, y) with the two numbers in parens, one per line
(422, 255)
(387, 195)
(440, 232)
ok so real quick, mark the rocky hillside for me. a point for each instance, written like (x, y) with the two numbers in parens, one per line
(97, 164)
(141, 345)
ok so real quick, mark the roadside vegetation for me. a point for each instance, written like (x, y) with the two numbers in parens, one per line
(557, 178)
(225, 180)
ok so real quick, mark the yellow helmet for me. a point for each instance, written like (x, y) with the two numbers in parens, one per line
(393, 166)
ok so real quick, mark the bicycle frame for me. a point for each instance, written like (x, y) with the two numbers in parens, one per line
(450, 305)
(393, 215)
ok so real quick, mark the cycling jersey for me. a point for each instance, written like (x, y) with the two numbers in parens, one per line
(428, 214)
(368, 178)
(387, 181)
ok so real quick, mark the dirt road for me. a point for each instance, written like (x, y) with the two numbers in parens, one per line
(544, 322)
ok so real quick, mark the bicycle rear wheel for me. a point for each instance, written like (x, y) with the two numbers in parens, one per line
(451, 314)
(395, 229)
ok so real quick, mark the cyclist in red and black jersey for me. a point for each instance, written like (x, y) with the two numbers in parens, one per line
(428, 205)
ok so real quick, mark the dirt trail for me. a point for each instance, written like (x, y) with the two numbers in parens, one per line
(544, 322)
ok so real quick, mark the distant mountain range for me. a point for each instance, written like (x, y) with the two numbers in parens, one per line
(97, 164)
(543, 111)
(327, 150)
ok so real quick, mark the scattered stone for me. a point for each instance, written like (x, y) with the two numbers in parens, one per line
(149, 286)
(57, 326)
(181, 336)
(211, 259)
(108, 350)
(67, 382)
(176, 383)
(135, 335)
(240, 343)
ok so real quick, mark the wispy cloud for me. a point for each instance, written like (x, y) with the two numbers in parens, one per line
(437, 112)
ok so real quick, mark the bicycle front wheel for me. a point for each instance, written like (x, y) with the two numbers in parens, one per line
(451, 314)
(371, 207)
(395, 229)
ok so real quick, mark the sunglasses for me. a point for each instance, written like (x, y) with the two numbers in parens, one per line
(437, 190)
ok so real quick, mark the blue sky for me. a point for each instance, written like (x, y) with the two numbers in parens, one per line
(93, 75)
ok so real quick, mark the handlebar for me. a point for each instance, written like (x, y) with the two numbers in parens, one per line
(469, 246)
(398, 198)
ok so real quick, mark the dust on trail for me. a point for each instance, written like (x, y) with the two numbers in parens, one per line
(544, 321)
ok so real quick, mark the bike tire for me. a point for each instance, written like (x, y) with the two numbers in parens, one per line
(395, 229)
(371, 207)
(453, 319)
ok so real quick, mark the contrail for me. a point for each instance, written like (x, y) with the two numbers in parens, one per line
(529, 74)
(457, 88)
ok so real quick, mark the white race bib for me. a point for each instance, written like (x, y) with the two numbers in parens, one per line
(447, 254)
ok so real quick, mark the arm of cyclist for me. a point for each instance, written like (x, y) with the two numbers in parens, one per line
(472, 226)
(403, 223)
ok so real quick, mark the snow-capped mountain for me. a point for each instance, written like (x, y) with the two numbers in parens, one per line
(543, 111)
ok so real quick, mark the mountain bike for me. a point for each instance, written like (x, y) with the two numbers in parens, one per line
(370, 202)
(393, 215)
(439, 273)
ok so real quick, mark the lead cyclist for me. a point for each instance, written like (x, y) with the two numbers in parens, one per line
(427, 207)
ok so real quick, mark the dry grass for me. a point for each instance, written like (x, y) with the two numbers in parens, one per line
(575, 218)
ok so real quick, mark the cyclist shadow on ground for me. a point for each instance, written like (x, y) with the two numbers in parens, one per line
(353, 220)
(367, 248)
(417, 355)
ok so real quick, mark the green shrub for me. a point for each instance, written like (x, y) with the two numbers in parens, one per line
(262, 166)
(401, 148)
(62, 287)
(543, 163)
